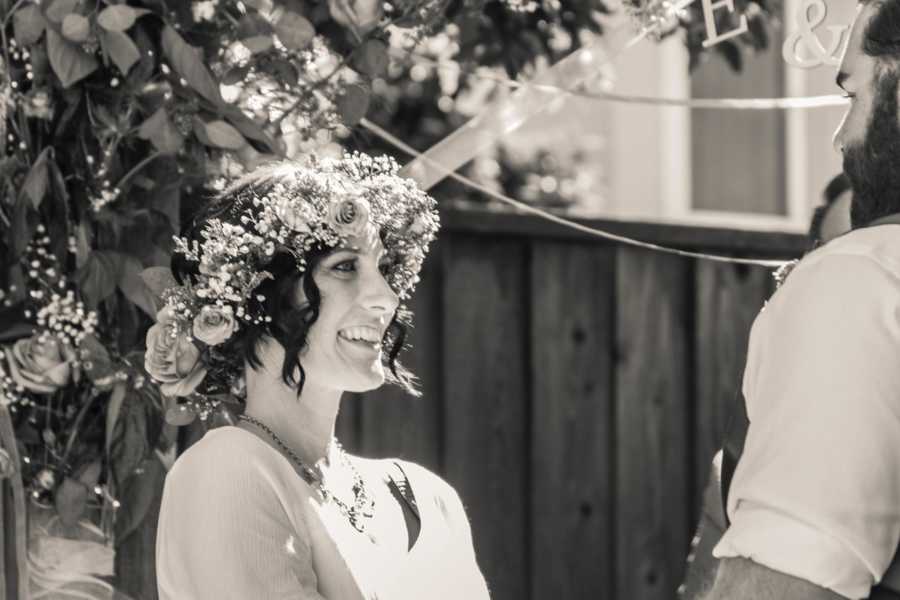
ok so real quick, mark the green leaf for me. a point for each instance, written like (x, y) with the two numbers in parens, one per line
(82, 245)
(188, 62)
(161, 132)
(139, 493)
(219, 134)
(129, 444)
(235, 75)
(119, 17)
(37, 182)
(28, 25)
(11, 333)
(353, 104)
(93, 353)
(251, 129)
(158, 280)
(120, 49)
(284, 72)
(180, 415)
(252, 25)
(76, 28)
(113, 408)
(258, 43)
(97, 278)
(58, 10)
(71, 501)
(25, 221)
(372, 58)
(294, 31)
(134, 288)
(70, 63)
(90, 474)
(263, 6)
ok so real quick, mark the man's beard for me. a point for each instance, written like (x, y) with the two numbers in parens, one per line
(873, 165)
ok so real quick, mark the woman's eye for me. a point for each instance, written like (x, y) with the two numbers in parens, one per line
(345, 266)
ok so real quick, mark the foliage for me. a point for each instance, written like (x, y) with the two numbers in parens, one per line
(115, 116)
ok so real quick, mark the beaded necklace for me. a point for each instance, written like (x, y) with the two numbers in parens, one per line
(363, 507)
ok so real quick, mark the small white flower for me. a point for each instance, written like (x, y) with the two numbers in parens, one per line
(204, 11)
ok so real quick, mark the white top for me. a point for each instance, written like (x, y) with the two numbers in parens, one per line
(238, 522)
(816, 493)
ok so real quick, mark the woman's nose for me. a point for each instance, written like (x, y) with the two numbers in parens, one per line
(378, 295)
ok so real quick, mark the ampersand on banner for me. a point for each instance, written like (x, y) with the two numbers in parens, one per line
(810, 15)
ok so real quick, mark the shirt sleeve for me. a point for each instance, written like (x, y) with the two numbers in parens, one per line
(816, 493)
(224, 534)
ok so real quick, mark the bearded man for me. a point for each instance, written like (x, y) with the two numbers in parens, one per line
(811, 469)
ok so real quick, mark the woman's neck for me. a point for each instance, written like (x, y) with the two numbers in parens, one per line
(304, 424)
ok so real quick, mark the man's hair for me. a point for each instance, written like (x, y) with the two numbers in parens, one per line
(882, 36)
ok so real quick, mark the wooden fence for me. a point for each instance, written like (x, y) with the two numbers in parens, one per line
(574, 393)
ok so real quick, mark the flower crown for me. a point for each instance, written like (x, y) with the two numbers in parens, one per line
(293, 208)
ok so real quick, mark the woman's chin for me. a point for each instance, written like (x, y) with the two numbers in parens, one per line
(366, 382)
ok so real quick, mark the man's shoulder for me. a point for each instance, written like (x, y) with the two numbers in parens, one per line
(878, 246)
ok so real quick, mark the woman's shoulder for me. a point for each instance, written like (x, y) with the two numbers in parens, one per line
(227, 454)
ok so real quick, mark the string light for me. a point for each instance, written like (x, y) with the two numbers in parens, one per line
(593, 231)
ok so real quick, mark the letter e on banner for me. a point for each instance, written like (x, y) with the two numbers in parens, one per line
(713, 36)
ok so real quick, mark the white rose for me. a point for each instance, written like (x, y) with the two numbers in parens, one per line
(214, 324)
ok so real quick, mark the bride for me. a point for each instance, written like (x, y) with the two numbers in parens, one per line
(291, 293)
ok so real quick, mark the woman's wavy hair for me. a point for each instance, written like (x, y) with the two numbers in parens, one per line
(290, 323)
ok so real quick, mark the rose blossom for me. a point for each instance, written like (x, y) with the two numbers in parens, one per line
(214, 324)
(172, 358)
(349, 216)
(42, 363)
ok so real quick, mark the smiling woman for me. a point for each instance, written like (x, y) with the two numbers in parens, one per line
(290, 295)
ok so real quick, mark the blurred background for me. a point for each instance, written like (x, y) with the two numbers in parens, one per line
(574, 389)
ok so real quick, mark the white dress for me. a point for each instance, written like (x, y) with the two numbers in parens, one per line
(237, 522)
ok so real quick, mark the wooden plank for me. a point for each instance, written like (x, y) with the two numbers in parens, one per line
(728, 298)
(394, 423)
(653, 463)
(491, 223)
(486, 402)
(572, 409)
(347, 427)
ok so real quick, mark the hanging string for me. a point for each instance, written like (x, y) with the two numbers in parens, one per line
(522, 206)
(804, 102)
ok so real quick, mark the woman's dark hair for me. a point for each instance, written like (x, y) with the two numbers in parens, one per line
(290, 324)
(839, 184)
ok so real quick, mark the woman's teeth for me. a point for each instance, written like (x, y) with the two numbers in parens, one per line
(361, 334)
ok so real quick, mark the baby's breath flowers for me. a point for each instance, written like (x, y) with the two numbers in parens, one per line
(324, 203)
(67, 318)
